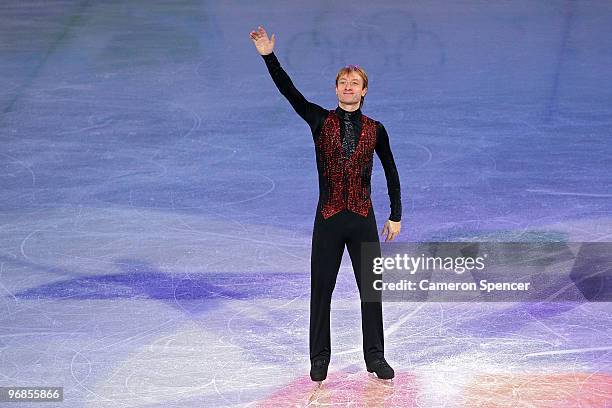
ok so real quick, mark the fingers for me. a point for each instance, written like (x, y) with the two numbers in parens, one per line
(261, 33)
(394, 234)
(386, 232)
(385, 229)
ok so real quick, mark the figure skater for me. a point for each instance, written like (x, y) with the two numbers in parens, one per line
(345, 141)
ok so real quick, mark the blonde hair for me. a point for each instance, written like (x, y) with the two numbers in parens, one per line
(353, 68)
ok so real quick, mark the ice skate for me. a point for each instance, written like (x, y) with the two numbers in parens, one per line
(382, 369)
(318, 369)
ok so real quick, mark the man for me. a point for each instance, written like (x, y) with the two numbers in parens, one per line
(345, 141)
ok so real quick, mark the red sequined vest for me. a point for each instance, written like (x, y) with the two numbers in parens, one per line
(344, 183)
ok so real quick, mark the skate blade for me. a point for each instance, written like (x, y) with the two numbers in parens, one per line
(387, 383)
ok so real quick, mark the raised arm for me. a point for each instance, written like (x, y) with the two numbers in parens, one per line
(383, 150)
(310, 112)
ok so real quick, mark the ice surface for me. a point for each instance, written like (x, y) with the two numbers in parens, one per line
(158, 194)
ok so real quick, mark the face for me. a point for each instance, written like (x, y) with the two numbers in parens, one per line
(349, 89)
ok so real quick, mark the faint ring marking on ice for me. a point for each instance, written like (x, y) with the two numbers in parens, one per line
(272, 187)
(22, 164)
(429, 153)
(197, 120)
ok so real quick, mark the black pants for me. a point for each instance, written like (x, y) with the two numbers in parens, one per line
(329, 237)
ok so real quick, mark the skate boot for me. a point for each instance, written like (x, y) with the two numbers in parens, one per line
(318, 369)
(382, 369)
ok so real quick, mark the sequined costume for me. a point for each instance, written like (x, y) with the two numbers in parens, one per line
(346, 166)
(345, 143)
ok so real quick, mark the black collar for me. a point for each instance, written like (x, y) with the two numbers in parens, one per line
(346, 115)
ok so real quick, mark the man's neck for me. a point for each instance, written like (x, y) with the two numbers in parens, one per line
(349, 108)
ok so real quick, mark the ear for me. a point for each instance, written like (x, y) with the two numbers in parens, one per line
(364, 91)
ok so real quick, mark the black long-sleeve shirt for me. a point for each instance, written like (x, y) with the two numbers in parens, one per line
(350, 129)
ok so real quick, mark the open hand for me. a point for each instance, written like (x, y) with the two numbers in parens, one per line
(263, 44)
